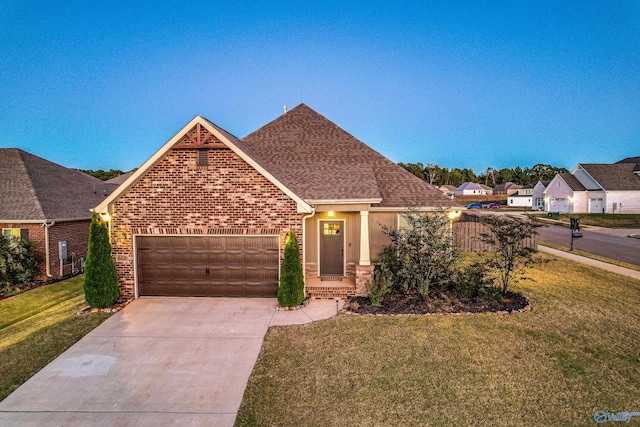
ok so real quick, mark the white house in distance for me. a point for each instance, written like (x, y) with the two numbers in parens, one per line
(473, 189)
(523, 198)
(596, 188)
(538, 195)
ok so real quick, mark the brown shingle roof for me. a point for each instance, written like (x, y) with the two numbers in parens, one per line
(572, 182)
(635, 160)
(318, 160)
(33, 188)
(119, 179)
(618, 176)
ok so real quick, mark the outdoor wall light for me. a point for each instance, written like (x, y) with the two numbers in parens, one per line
(105, 216)
(453, 215)
(331, 214)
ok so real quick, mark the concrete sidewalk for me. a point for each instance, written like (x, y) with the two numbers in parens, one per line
(159, 361)
(595, 263)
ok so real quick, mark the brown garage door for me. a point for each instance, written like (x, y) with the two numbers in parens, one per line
(230, 266)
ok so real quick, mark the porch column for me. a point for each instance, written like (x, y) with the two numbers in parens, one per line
(364, 239)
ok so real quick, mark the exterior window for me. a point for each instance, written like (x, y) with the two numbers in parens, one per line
(20, 233)
(330, 229)
(203, 157)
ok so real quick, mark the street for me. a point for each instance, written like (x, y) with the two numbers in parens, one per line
(610, 243)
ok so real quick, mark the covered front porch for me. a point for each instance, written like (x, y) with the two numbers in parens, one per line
(337, 250)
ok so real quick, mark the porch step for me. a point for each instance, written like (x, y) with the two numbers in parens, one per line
(331, 290)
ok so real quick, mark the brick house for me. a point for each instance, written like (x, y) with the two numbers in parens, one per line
(46, 204)
(208, 213)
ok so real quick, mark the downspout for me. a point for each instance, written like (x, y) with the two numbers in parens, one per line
(47, 262)
(304, 247)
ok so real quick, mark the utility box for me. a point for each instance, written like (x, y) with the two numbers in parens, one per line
(62, 249)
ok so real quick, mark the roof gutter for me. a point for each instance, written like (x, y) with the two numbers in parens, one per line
(47, 262)
(40, 221)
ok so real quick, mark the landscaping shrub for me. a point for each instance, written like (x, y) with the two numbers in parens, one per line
(420, 255)
(380, 286)
(100, 277)
(291, 289)
(470, 280)
(509, 257)
(18, 262)
(491, 293)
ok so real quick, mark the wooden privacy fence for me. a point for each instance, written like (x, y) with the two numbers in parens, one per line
(466, 236)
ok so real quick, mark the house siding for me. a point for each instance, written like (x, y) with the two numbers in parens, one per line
(629, 200)
(351, 243)
(36, 237)
(178, 197)
(75, 233)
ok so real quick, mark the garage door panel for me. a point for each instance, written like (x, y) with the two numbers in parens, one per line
(208, 265)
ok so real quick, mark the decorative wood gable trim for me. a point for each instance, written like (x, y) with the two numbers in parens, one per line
(198, 131)
(199, 137)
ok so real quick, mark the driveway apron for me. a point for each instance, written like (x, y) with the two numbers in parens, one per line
(160, 361)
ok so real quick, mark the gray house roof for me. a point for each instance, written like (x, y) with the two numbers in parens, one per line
(615, 177)
(319, 161)
(471, 186)
(34, 189)
(572, 182)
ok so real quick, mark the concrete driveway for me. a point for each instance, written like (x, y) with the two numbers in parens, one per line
(160, 361)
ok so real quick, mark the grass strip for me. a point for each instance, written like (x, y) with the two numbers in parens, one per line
(591, 256)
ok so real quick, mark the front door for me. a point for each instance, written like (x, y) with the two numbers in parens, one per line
(331, 248)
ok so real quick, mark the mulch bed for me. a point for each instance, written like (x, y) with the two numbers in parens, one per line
(442, 303)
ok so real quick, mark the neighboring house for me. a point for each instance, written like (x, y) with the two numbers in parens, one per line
(526, 190)
(208, 213)
(523, 198)
(489, 190)
(119, 179)
(611, 188)
(596, 188)
(473, 189)
(565, 194)
(448, 190)
(50, 206)
(538, 202)
(507, 188)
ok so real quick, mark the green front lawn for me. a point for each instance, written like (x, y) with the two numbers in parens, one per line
(605, 220)
(577, 352)
(38, 325)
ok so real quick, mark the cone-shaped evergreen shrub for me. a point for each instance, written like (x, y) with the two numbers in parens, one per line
(100, 278)
(291, 289)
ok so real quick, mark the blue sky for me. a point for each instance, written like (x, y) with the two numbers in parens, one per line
(461, 84)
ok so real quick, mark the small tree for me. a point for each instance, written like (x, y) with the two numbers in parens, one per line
(100, 277)
(291, 289)
(510, 256)
(18, 262)
(421, 254)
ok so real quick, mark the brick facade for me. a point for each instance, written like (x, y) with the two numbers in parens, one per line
(176, 196)
(75, 233)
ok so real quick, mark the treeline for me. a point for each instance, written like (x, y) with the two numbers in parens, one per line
(102, 174)
(438, 175)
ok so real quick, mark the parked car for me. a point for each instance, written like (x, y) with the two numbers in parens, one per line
(493, 206)
(474, 206)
